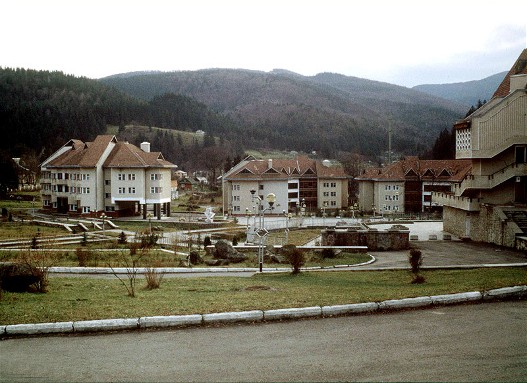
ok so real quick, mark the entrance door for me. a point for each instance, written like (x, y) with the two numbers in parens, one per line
(520, 190)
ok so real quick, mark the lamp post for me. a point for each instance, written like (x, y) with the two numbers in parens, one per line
(149, 216)
(373, 209)
(247, 215)
(286, 215)
(103, 217)
(262, 231)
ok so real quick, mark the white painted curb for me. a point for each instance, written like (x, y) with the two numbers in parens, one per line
(106, 325)
(456, 298)
(170, 321)
(39, 328)
(301, 312)
(355, 308)
(405, 303)
(505, 292)
(242, 316)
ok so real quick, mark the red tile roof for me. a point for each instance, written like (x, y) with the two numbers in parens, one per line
(519, 67)
(278, 168)
(123, 154)
(440, 170)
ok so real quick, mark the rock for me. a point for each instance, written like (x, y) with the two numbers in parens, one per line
(195, 258)
(224, 250)
(17, 277)
(216, 262)
(278, 259)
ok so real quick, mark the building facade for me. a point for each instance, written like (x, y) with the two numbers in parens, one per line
(117, 178)
(300, 185)
(406, 186)
(489, 204)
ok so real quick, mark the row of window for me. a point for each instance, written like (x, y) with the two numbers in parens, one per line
(68, 176)
(390, 207)
(68, 189)
(329, 184)
(328, 194)
(391, 197)
(391, 187)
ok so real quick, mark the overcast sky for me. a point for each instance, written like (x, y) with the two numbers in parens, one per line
(397, 41)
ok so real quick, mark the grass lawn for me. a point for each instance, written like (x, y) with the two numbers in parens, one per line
(89, 298)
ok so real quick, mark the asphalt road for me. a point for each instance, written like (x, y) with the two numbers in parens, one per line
(480, 342)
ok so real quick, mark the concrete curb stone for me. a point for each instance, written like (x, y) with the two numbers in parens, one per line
(405, 303)
(505, 293)
(446, 299)
(106, 325)
(241, 316)
(170, 321)
(355, 308)
(299, 312)
(257, 315)
(39, 328)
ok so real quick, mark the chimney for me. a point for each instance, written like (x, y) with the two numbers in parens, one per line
(270, 162)
(145, 146)
(518, 81)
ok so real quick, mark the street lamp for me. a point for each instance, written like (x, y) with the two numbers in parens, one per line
(262, 231)
(287, 216)
(149, 216)
(103, 217)
(247, 215)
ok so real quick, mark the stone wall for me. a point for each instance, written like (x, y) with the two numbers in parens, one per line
(489, 225)
(396, 238)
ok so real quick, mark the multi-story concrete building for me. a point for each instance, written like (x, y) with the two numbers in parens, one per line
(106, 175)
(489, 204)
(299, 184)
(406, 186)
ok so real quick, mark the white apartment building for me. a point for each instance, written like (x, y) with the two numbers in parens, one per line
(298, 184)
(106, 175)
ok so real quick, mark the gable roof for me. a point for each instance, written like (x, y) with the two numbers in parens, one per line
(446, 170)
(80, 154)
(519, 67)
(281, 168)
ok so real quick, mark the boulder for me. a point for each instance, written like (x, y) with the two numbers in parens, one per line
(224, 250)
(195, 258)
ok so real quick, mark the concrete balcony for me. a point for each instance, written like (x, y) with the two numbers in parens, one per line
(487, 182)
(457, 202)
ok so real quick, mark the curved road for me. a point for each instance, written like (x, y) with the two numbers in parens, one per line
(481, 342)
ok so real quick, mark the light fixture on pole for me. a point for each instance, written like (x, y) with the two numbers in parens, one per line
(103, 217)
(262, 231)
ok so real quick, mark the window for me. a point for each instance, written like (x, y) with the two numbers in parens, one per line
(45, 202)
(121, 177)
(122, 190)
(131, 190)
(85, 209)
(73, 207)
(54, 205)
(109, 208)
(326, 194)
(107, 182)
(155, 176)
(235, 208)
(333, 194)
(107, 195)
(235, 187)
(85, 177)
(333, 203)
(260, 187)
(235, 197)
(326, 184)
(84, 190)
(292, 185)
(333, 184)
(59, 176)
(131, 177)
(156, 190)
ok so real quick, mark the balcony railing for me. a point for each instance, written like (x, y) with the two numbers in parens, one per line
(492, 180)
(458, 202)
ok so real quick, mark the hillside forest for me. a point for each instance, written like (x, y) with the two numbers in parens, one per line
(332, 115)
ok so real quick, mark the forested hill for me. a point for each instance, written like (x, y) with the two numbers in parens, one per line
(41, 110)
(466, 93)
(327, 112)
